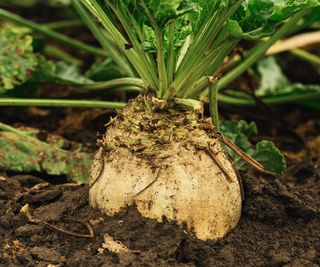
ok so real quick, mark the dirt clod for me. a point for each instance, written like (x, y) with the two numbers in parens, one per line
(269, 232)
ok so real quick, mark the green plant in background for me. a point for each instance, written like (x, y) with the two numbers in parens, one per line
(21, 151)
(16, 57)
(273, 81)
(239, 132)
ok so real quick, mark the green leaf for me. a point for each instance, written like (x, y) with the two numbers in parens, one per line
(273, 81)
(206, 8)
(58, 73)
(17, 60)
(104, 71)
(183, 30)
(19, 63)
(314, 16)
(166, 10)
(270, 157)
(150, 42)
(259, 18)
(265, 152)
(21, 151)
(239, 132)
(163, 11)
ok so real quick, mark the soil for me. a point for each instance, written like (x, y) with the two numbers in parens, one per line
(280, 225)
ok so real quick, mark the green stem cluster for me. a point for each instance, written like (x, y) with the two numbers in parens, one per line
(102, 38)
(138, 59)
(206, 53)
(182, 72)
(135, 84)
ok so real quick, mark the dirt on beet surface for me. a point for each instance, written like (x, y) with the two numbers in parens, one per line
(42, 224)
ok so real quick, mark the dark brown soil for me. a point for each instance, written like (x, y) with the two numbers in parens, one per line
(280, 225)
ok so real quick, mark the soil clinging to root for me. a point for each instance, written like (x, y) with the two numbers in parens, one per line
(280, 226)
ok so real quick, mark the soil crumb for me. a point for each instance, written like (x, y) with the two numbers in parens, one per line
(280, 226)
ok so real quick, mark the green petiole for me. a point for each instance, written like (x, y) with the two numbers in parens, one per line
(60, 103)
(213, 103)
(116, 83)
(274, 100)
